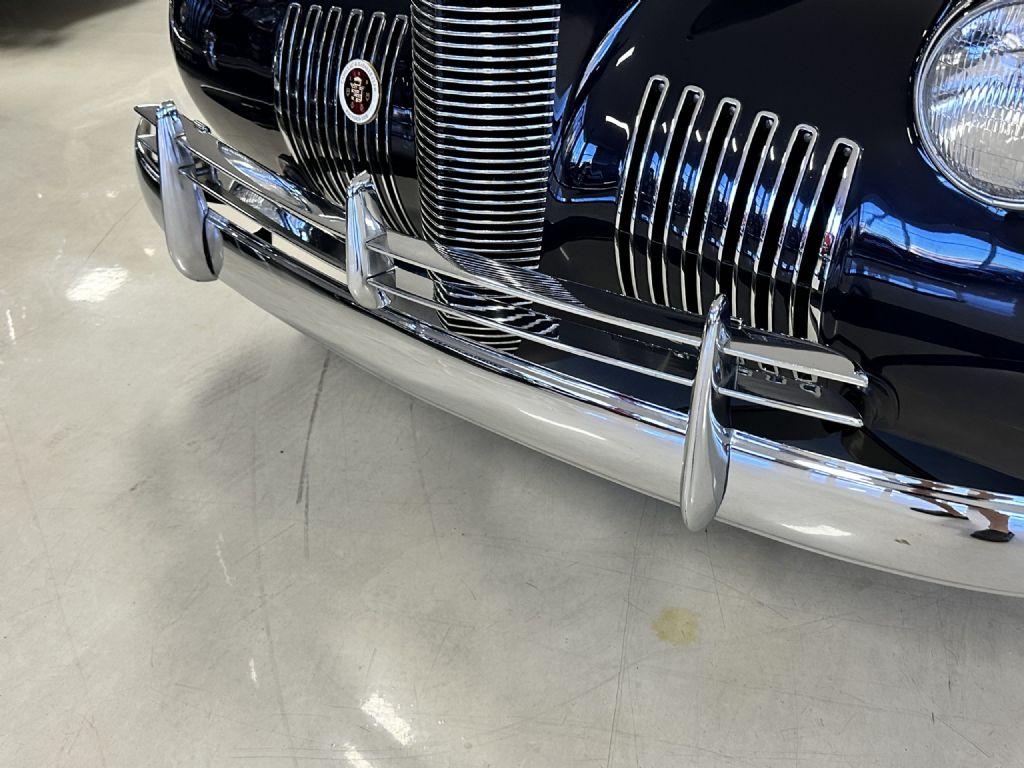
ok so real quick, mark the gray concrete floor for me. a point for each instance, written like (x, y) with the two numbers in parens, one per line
(220, 546)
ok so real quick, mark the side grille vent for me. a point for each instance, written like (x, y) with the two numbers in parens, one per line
(484, 85)
(725, 205)
(314, 46)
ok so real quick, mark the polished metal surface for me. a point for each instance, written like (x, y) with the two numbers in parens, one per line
(314, 47)
(364, 225)
(195, 249)
(706, 451)
(845, 510)
(712, 209)
(484, 82)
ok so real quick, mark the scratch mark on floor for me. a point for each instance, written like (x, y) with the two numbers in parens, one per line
(99, 742)
(625, 634)
(423, 481)
(51, 571)
(302, 494)
(714, 576)
(973, 744)
(275, 672)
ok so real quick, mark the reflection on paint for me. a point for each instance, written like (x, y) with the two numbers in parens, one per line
(817, 530)
(383, 714)
(97, 285)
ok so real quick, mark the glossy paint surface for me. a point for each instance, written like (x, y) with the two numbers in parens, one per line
(924, 293)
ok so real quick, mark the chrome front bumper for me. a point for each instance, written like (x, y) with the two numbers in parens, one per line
(348, 282)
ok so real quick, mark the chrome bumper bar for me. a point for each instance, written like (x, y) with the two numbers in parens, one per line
(349, 282)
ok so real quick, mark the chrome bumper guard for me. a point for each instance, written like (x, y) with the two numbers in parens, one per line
(302, 259)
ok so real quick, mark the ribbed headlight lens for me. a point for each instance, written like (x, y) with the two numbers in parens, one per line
(970, 103)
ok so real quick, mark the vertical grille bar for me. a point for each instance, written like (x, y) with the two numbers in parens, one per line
(740, 220)
(823, 234)
(679, 133)
(484, 85)
(382, 136)
(313, 47)
(787, 188)
(633, 165)
(754, 157)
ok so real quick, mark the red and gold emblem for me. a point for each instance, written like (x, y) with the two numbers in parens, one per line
(360, 91)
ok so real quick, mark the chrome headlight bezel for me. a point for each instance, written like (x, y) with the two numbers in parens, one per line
(959, 17)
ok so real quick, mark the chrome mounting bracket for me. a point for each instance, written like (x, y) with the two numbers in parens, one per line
(364, 225)
(706, 451)
(193, 240)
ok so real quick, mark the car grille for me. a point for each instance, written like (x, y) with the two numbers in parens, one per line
(314, 45)
(484, 85)
(712, 203)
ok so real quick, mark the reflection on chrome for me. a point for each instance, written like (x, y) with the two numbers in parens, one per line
(568, 427)
(817, 530)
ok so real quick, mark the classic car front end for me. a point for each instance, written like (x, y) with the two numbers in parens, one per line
(761, 260)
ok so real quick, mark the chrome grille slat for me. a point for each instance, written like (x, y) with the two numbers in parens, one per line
(771, 120)
(692, 97)
(625, 209)
(303, 84)
(340, 125)
(791, 201)
(491, 9)
(483, 81)
(314, 44)
(711, 192)
(695, 230)
(546, 114)
(330, 100)
(382, 136)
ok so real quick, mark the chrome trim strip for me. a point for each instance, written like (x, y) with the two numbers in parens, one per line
(629, 178)
(662, 85)
(688, 221)
(734, 117)
(749, 206)
(730, 204)
(333, 171)
(788, 218)
(670, 139)
(828, 247)
(673, 196)
(773, 200)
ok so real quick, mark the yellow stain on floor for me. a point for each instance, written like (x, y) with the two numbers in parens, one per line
(677, 626)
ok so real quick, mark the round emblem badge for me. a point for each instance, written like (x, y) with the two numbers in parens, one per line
(360, 91)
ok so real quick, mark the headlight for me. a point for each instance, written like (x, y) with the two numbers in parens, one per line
(970, 102)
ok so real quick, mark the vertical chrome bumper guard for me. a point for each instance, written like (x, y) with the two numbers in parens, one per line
(194, 242)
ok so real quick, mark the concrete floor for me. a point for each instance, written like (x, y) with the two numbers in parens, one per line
(220, 546)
